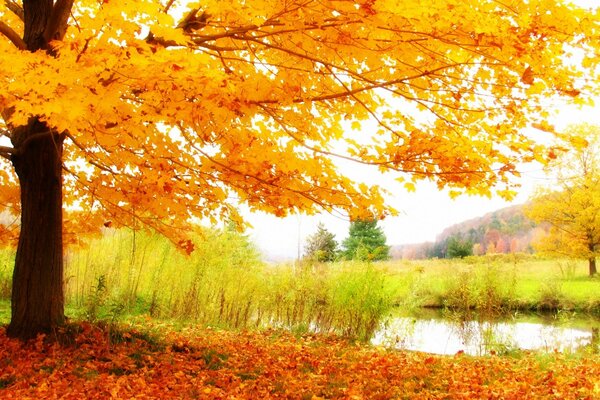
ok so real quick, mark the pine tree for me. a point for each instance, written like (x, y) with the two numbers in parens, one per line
(365, 241)
(458, 247)
(321, 246)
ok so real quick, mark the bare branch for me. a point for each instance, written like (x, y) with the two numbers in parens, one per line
(57, 26)
(12, 36)
(15, 8)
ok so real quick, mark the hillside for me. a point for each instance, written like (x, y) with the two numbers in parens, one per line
(502, 231)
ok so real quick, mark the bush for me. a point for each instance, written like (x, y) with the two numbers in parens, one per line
(359, 299)
(483, 287)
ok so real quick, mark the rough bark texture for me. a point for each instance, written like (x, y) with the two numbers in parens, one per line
(592, 263)
(37, 293)
(37, 14)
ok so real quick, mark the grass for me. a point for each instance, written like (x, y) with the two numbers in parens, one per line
(497, 284)
(224, 284)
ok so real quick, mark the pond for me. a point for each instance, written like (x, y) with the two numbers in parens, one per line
(444, 333)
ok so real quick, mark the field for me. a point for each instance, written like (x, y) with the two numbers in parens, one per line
(496, 284)
(153, 323)
(224, 284)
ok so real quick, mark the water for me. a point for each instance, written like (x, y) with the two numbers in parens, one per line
(439, 335)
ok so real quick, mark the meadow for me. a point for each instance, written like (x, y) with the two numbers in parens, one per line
(224, 284)
(148, 322)
(495, 284)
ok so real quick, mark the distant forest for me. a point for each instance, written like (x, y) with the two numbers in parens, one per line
(502, 231)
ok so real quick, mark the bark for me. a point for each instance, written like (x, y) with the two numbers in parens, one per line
(37, 292)
(592, 265)
(37, 14)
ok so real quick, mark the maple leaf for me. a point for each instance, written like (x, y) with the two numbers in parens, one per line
(528, 76)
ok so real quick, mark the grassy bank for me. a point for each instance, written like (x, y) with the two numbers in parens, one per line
(222, 284)
(495, 284)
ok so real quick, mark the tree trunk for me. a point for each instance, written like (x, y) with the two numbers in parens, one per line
(37, 292)
(592, 264)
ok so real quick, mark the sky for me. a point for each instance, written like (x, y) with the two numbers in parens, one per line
(423, 214)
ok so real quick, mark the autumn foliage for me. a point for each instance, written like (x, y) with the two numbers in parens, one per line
(212, 364)
(183, 109)
(571, 206)
(156, 114)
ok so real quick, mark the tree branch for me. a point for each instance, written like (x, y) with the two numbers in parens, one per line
(6, 152)
(169, 4)
(15, 8)
(57, 26)
(12, 36)
(21, 145)
(98, 164)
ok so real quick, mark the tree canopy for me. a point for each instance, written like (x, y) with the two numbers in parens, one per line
(177, 109)
(148, 113)
(572, 207)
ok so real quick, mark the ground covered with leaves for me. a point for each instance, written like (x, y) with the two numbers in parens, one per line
(101, 362)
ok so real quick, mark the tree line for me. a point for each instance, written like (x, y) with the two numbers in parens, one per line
(366, 241)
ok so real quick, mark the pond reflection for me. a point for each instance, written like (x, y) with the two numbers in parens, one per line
(479, 337)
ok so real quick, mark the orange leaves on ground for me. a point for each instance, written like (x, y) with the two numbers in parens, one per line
(211, 364)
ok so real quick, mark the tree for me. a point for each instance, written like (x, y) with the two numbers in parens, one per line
(502, 246)
(459, 247)
(321, 246)
(572, 209)
(365, 241)
(144, 114)
(478, 249)
(491, 249)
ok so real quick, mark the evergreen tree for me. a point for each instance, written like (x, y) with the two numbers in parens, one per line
(321, 246)
(365, 241)
(458, 247)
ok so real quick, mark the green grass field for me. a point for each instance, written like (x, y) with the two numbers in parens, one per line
(495, 283)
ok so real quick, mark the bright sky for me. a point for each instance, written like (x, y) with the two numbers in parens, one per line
(424, 213)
